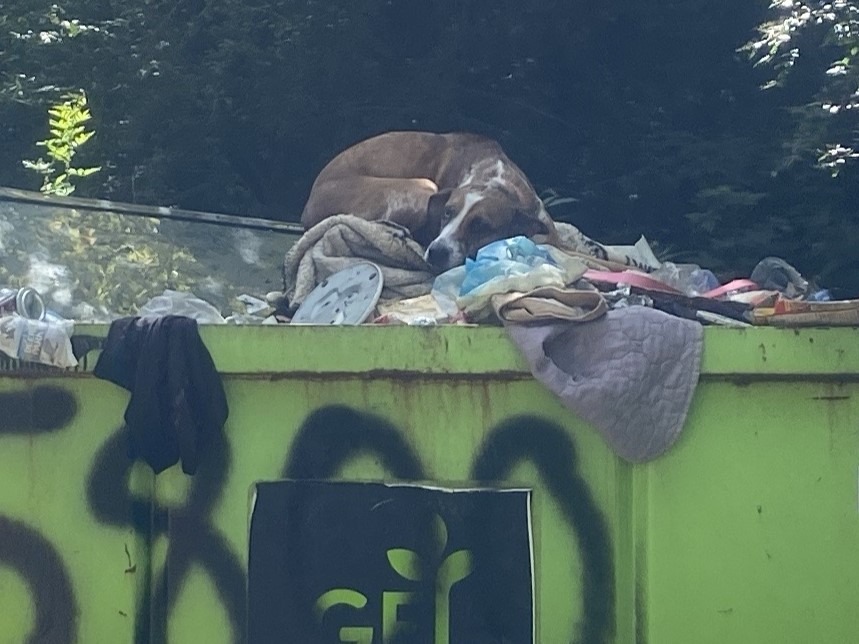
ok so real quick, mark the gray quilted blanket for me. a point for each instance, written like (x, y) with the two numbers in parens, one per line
(631, 374)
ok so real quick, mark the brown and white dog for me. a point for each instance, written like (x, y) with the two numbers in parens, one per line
(454, 193)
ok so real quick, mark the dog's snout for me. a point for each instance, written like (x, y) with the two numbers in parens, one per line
(438, 255)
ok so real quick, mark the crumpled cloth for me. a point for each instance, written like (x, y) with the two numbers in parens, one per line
(177, 402)
(572, 241)
(342, 241)
(549, 304)
(631, 374)
(502, 277)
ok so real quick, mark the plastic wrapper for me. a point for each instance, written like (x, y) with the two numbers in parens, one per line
(689, 279)
(180, 303)
(515, 264)
(43, 341)
(417, 311)
(775, 274)
(640, 252)
(503, 259)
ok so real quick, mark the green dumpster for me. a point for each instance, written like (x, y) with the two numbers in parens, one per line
(745, 531)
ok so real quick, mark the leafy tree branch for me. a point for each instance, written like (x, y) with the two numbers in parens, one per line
(832, 27)
(68, 133)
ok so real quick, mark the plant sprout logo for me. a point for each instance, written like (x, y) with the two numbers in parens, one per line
(409, 565)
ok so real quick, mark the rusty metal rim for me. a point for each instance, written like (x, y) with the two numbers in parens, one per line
(33, 372)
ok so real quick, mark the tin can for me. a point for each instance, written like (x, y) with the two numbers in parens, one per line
(24, 301)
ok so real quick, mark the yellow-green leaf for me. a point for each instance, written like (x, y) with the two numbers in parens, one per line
(406, 563)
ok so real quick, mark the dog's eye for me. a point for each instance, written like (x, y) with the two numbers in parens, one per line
(449, 212)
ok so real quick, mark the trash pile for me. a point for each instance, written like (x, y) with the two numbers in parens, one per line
(518, 280)
(29, 333)
(618, 344)
(62, 266)
(620, 347)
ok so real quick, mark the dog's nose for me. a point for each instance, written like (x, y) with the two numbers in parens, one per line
(438, 256)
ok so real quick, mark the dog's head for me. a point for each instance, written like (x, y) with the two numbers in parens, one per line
(471, 217)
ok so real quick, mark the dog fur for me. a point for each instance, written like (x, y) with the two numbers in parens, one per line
(454, 192)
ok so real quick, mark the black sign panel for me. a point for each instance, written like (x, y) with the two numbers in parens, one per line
(374, 563)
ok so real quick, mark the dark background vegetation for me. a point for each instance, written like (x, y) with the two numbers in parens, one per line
(642, 111)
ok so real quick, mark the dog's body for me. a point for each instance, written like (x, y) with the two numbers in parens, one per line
(454, 192)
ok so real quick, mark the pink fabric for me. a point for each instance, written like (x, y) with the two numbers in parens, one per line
(733, 285)
(633, 278)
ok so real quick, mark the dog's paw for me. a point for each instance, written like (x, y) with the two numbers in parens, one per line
(398, 231)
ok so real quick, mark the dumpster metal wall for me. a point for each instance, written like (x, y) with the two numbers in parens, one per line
(746, 531)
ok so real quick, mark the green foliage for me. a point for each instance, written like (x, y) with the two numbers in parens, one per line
(68, 134)
(831, 27)
(639, 113)
(114, 263)
(32, 37)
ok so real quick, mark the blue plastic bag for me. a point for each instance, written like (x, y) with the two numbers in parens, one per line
(514, 256)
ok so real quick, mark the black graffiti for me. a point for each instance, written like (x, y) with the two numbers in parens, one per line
(550, 449)
(111, 502)
(192, 537)
(36, 410)
(26, 551)
(108, 488)
(332, 435)
(327, 440)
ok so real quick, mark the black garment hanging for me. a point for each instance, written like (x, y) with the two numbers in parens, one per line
(177, 397)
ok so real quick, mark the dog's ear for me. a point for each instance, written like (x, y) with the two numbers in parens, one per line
(430, 227)
(539, 226)
(437, 201)
(436, 204)
(534, 222)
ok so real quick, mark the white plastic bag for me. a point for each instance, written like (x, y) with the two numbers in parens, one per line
(43, 341)
(179, 303)
(515, 264)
